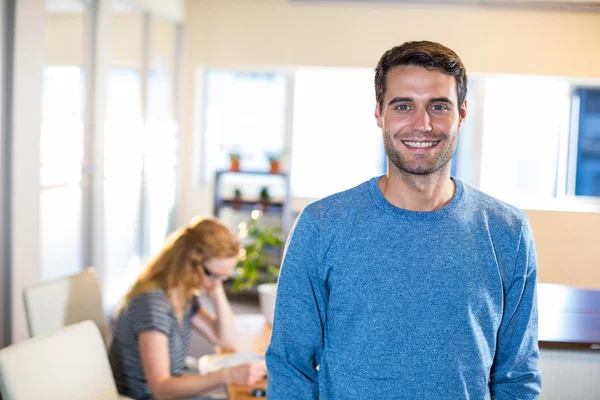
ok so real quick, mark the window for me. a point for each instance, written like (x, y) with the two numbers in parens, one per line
(141, 141)
(122, 181)
(467, 148)
(65, 168)
(245, 113)
(61, 151)
(336, 143)
(161, 135)
(523, 120)
(513, 146)
(586, 107)
(62, 125)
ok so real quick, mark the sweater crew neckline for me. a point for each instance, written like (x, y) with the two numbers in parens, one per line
(443, 212)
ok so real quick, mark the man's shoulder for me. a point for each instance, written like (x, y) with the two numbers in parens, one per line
(495, 210)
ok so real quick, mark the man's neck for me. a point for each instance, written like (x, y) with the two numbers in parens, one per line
(417, 192)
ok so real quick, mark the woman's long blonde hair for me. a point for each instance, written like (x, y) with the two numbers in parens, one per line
(171, 267)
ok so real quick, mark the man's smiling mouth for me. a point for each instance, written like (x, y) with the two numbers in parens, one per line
(419, 145)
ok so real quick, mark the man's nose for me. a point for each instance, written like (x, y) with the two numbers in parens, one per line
(422, 121)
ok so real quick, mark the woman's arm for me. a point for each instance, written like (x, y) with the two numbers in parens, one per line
(205, 324)
(154, 353)
(219, 328)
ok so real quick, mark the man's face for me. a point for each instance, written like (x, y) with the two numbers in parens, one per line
(420, 119)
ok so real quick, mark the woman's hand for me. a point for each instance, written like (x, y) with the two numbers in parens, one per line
(247, 374)
(216, 292)
(210, 286)
(219, 327)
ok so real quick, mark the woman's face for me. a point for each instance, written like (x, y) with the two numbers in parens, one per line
(216, 270)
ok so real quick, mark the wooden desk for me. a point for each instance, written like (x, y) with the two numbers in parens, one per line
(254, 336)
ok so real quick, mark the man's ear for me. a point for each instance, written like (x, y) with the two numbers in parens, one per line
(462, 114)
(378, 115)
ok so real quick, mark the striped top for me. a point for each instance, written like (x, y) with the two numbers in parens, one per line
(150, 311)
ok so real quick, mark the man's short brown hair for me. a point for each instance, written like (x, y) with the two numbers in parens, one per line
(429, 55)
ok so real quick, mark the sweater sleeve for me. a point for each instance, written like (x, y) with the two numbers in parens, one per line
(297, 338)
(515, 373)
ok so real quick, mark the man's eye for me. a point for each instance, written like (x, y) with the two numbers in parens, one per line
(440, 107)
(402, 107)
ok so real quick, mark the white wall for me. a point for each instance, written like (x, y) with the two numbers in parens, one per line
(171, 9)
(496, 40)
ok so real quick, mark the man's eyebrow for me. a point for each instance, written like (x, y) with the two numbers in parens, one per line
(410, 100)
(399, 100)
(441, 100)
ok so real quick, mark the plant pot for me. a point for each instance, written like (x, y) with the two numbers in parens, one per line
(266, 298)
(275, 167)
(236, 203)
(234, 164)
(264, 204)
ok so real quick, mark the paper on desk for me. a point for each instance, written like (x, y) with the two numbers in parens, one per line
(214, 362)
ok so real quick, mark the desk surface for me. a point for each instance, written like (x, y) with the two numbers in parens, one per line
(254, 336)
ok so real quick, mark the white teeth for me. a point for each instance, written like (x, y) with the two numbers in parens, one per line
(420, 144)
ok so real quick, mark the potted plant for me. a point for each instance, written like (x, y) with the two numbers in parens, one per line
(234, 161)
(264, 197)
(274, 159)
(259, 265)
(237, 199)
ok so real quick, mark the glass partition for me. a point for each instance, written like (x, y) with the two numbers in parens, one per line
(140, 147)
(123, 144)
(62, 138)
(160, 140)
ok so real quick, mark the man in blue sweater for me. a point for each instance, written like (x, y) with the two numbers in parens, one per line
(411, 285)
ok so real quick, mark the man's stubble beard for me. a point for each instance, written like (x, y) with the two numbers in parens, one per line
(403, 165)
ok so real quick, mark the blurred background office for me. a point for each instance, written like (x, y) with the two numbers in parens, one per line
(118, 117)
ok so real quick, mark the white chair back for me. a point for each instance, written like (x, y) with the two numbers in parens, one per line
(70, 364)
(50, 306)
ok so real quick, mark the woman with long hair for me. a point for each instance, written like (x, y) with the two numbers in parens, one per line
(153, 327)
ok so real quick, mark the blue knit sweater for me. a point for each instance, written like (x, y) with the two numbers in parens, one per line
(377, 302)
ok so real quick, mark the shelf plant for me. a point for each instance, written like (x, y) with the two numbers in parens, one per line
(234, 161)
(274, 159)
(237, 199)
(265, 197)
(263, 247)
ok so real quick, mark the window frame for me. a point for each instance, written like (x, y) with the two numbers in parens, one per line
(564, 199)
(572, 145)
